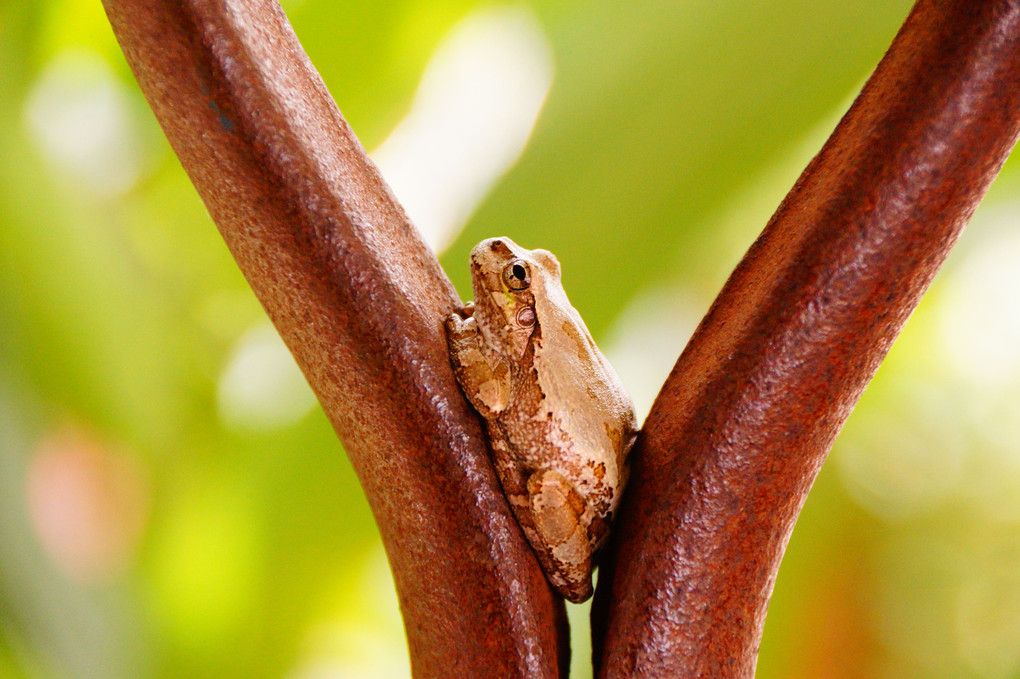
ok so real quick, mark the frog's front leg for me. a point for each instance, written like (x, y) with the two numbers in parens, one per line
(486, 386)
(556, 511)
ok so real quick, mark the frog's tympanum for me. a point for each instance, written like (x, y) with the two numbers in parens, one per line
(559, 420)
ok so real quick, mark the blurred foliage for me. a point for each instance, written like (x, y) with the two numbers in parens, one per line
(173, 504)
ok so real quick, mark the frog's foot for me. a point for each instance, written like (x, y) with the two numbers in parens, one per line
(565, 552)
(487, 387)
(461, 314)
(460, 326)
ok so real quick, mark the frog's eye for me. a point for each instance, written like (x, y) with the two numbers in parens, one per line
(516, 275)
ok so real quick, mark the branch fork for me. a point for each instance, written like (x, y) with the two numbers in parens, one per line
(742, 424)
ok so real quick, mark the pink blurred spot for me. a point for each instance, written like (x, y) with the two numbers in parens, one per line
(88, 504)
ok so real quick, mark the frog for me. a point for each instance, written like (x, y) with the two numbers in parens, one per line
(559, 421)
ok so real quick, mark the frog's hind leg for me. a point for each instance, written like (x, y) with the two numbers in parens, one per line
(557, 510)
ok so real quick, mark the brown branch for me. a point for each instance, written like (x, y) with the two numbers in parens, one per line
(745, 420)
(359, 299)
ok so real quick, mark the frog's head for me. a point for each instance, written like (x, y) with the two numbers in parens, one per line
(507, 279)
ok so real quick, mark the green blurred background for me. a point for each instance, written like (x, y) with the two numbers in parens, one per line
(174, 504)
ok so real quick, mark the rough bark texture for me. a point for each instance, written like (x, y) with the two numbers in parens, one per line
(746, 418)
(359, 299)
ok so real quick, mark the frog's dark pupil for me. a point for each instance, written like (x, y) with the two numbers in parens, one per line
(519, 272)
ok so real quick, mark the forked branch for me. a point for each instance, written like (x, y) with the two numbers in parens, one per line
(741, 426)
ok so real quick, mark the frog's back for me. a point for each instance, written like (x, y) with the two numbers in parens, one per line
(586, 406)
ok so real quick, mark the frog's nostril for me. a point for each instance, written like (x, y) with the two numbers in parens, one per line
(495, 244)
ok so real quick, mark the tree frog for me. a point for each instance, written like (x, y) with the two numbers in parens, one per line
(560, 422)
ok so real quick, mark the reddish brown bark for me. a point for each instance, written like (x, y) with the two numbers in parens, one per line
(743, 422)
(359, 299)
(746, 418)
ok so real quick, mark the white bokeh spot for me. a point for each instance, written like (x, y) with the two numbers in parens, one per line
(79, 116)
(474, 111)
(262, 388)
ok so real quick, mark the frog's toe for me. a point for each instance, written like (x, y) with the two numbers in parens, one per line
(459, 327)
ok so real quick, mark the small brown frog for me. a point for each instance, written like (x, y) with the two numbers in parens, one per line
(559, 420)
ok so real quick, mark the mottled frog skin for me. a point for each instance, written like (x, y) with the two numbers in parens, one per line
(560, 422)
